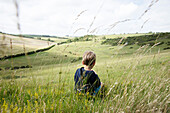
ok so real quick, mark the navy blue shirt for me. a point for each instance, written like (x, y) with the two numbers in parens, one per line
(93, 79)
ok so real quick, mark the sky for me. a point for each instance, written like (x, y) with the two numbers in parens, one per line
(82, 17)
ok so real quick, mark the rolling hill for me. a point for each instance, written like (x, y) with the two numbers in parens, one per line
(10, 44)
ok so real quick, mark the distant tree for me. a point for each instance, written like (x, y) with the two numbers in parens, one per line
(76, 39)
(150, 31)
(104, 38)
(87, 39)
(39, 38)
(69, 40)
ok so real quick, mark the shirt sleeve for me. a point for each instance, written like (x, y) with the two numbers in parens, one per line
(96, 90)
(97, 85)
(76, 77)
(98, 81)
(94, 81)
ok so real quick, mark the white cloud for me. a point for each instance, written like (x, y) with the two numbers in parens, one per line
(126, 10)
(56, 17)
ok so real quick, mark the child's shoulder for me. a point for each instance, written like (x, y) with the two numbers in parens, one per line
(81, 70)
(93, 73)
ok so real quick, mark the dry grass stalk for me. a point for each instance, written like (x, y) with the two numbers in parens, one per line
(79, 16)
(116, 23)
(78, 30)
(149, 7)
(17, 15)
(144, 23)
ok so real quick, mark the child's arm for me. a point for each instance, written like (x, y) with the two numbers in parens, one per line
(76, 77)
(97, 85)
(96, 90)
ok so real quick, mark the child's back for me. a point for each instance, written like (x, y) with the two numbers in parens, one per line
(86, 80)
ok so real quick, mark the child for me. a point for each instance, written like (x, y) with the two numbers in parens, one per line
(86, 80)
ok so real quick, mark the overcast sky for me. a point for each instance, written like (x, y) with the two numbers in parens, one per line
(81, 17)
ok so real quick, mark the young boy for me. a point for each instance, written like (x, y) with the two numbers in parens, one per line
(86, 80)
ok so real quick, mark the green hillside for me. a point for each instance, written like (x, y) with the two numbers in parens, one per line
(134, 69)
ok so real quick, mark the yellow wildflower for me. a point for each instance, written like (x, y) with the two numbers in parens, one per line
(36, 95)
(15, 109)
(29, 92)
(28, 106)
(39, 90)
(36, 104)
(4, 106)
(80, 93)
(36, 111)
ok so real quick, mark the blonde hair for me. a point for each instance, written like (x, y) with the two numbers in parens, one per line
(89, 58)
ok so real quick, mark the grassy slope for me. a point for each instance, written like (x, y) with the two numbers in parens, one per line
(50, 81)
(57, 40)
(13, 44)
(126, 35)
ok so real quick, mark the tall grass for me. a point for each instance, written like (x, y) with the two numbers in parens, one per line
(138, 83)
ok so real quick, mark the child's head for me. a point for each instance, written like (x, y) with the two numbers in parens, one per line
(89, 59)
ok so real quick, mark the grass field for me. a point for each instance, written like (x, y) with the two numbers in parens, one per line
(14, 44)
(126, 35)
(56, 40)
(136, 79)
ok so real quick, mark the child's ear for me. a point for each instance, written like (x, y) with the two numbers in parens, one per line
(94, 63)
(82, 62)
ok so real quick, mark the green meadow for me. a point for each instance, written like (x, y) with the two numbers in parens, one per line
(136, 77)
